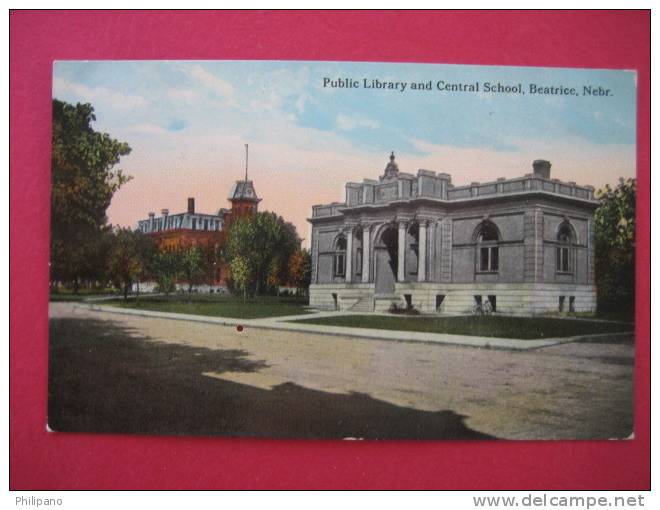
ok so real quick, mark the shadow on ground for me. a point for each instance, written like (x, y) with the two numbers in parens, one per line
(104, 377)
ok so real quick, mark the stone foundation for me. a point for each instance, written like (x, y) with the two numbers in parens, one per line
(347, 295)
(511, 298)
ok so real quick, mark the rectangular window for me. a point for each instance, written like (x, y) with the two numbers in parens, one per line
(493, 302)
(477, 300)
(408, 299)
(483, 266)
(489, 258)
(571, 304)
(561, 303)
(563, 261)
(194, 225)
(439, 298)
(206, 224)
(340, 264)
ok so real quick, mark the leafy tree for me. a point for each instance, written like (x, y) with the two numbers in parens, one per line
(241, 274)
(614, 229)
(129, 258)
(211, 261)
(147, 252)
(166, 269)
(289, 243)
(300, 269)
(264, 242)
(191, 266)
(83, 183)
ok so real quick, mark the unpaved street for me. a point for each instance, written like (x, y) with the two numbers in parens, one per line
(116, 373)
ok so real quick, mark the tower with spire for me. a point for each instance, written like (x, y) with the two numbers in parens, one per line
(243, 197)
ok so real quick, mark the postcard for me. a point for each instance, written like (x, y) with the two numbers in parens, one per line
(337, 250)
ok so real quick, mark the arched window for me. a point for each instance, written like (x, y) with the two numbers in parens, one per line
(487, 250)
(565, 240)
(339, 259)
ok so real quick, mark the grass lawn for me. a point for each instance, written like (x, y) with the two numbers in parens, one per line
(70, 296)
(216, 306)
(488, 326)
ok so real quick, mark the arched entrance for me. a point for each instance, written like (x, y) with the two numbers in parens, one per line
(386, 253)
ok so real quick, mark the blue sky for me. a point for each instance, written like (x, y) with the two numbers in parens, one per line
(187, 123)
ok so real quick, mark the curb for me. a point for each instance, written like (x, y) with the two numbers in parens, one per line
(283, 324)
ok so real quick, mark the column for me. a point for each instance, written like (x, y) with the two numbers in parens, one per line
(433, 225)
(349, 256)
(401, 269)
(421, 250)
(366, 237)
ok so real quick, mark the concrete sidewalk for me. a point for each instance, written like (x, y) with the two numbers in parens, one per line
(285, 323)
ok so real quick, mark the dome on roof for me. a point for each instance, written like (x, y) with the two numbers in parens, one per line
(392, 169)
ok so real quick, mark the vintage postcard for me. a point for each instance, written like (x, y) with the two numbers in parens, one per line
(342, 250)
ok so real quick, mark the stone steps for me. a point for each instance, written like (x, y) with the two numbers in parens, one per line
(364, 304)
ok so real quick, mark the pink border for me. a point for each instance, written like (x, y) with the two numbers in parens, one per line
(39, 460)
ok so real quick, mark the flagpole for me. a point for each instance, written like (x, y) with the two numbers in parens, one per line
(246, 161)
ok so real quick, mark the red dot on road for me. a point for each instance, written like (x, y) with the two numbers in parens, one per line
(239, 328)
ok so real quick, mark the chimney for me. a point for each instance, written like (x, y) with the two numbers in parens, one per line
(542, 168)
(164, 212)
(191, 205)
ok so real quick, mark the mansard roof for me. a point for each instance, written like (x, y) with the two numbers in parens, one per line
(243, 190)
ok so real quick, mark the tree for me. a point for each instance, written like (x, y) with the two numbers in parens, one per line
(614, 229)
(191, 266)
(83, 183)
(130, 257)
(211, 257)
(241, 274)
(288, 244)
(166, 270)
(300, 269)
(265, 242)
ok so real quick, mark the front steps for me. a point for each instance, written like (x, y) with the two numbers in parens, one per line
(364, 304)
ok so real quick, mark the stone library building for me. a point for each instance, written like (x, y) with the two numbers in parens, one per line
(523, 245)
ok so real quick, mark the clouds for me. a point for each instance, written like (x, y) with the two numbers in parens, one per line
(183, 95)
(98, 95)
(217, 85)
(351, 122)
(187, 123)
(146, 128)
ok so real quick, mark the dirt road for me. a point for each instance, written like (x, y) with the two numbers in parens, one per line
(113, 373)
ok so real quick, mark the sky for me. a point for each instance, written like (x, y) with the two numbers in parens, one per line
(187, 123)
